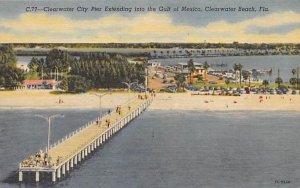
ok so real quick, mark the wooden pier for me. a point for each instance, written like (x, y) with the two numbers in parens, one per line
(75, 147)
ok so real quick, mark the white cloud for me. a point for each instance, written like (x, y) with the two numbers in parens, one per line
(143, 28)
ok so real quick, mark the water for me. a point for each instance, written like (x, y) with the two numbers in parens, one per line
(284, 63)
(171, 149)
(23, 61)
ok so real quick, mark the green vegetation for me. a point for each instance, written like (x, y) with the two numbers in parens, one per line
(10, 75)
(236, 68)
(294, 48)
(108, 70)
(180, 79)
(75, 84)
(265, 83)
(206, 67)
(191, 68)
(89, 70)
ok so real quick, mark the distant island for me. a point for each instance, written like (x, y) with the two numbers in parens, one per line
(166, 49)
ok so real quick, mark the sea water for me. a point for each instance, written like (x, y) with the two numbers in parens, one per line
(166, 149)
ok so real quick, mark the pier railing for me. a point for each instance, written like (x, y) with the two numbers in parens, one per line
(71, 150)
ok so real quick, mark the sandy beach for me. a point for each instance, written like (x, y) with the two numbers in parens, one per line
(163, 101)
(220, 103)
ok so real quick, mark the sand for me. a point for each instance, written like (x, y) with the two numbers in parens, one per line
(219, 103)
(163, 101)
(43, 99)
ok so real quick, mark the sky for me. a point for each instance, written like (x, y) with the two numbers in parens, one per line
(30, 21)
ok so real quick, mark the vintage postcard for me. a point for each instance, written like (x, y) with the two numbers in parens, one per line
(161, 93)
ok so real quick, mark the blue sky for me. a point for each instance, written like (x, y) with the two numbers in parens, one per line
(281, 23)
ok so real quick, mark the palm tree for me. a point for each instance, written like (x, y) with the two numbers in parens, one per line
(293, 81)
(246, 75)
(235, 68)
(294, 71)
(191, 68)
(227, 82)
(265, 83)
(240, 66)
(206, 67)
(180, 78)
(278, 81)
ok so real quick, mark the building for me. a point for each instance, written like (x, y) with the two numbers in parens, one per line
(199, 70)
(40, 84)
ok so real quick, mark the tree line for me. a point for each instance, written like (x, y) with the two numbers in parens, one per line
(89, 70)
(10, 75)
(284, 46)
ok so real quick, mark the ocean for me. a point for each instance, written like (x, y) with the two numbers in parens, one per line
(166, 149)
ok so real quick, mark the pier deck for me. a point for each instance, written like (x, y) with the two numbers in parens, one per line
(73, 148)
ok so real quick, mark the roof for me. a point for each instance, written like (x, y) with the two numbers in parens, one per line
(39, 82)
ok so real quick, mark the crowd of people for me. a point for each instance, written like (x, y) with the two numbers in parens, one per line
(40, 160)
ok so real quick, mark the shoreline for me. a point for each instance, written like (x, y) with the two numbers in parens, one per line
(163, 101)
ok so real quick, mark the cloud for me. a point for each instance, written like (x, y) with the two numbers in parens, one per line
(151, 27)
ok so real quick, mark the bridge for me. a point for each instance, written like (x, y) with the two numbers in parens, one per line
(76, 146)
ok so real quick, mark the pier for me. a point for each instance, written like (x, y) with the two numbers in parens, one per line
(68, 152)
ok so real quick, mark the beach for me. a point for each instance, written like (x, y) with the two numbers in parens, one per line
(163, 101)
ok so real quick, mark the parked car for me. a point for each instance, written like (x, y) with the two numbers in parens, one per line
(272, 92)
(279, 92)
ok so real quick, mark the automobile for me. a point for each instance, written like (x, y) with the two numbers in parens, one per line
(294, 92)
(272, 92)
(279, 92)
(284, 89)
(204, 90)
(171, 90)
(253, 90)
(212, 82)
(2, 88)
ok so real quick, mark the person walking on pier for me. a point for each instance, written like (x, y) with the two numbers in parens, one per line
(57, 161)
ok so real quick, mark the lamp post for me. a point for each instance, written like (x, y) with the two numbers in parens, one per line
(100, 96)
(128, 84)
(48, 119)
(146, 80)
(42, 64)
